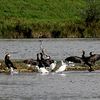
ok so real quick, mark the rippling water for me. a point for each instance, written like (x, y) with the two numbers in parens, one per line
(66, 86)
(56, 48)
(70, 85)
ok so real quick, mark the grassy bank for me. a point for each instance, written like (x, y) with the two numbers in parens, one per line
(49, 18)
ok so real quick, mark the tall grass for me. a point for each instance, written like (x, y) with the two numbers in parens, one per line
(45, 18)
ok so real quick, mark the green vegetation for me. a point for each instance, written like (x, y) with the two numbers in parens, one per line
(49, 18)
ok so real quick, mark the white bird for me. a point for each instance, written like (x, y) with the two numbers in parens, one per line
(42, 70)
(62, 67)
(12, 71)
(53, 65)
(28, 65)
(40, 66)
(71, 63)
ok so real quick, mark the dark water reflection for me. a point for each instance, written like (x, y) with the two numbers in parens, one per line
(56, 48)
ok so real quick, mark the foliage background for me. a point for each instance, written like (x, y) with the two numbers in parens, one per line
(49, 18)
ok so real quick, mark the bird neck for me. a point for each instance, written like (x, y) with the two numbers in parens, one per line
(83, 55)
(38, 57)
(6, 57)
(41, 55)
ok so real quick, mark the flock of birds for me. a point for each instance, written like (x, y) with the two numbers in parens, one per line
(43, 61)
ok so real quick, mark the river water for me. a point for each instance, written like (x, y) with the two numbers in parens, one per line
(57, 48)
(66, 86)
(69, 85)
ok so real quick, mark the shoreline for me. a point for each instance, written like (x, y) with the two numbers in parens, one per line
(50, 39)
(22, 67)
